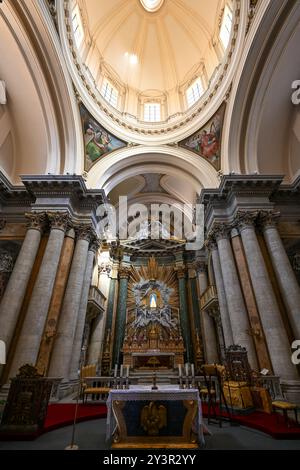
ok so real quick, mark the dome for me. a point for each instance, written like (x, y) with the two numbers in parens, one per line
(154, 61)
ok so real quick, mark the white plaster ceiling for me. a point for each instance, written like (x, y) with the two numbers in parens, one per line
(168, 43)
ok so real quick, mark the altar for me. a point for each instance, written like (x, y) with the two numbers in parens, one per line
(145, 418)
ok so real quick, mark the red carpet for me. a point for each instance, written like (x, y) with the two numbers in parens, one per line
(62, 414)
(271, 424)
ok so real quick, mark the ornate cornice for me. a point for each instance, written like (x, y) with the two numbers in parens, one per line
(59, 221)
(36, 221)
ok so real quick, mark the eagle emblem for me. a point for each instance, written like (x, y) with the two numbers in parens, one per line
(153, 418)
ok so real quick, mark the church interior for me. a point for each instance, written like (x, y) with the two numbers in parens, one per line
(149, 224)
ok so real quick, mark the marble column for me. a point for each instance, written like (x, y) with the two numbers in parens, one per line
(96, 340)
(208, 327)
(63, 346)
(276, 337)
(254, 318)
(106, 359)
(224, 314)
(16, 287)
(60, 283)
(194, 317)
(285, 275)
(31, 333)
(235, 302)
(77, 346)
(186, 334)
(121, 314)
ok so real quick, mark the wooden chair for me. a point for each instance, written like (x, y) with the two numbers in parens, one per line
(98, 387)
(213, 376)
(285, 407)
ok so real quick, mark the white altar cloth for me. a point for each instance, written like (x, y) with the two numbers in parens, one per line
(144, 393)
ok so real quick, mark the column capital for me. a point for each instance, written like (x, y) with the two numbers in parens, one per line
(245, 219)
(84, 232)
(124, 272)
(200, 267)
(180, 271)
(104, 268)
(2, 223)
(220, 231)
(36, 221)
(268, 219)
(59, 220)
(211, 244)
(94, 244)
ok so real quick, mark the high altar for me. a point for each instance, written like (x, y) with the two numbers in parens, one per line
(153, 337)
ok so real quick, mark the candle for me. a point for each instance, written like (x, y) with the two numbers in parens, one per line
(121, 370)
(192, 370)
(116, 370)
(127, 374)
(186, 369)
(179, 369)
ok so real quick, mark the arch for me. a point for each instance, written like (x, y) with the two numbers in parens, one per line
(123, 163)
(41, 102)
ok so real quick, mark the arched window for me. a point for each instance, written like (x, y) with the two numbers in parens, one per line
(153, 300)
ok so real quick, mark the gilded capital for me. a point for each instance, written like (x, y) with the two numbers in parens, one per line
(124, 272)
(181, 272)
(36, 221)
(59, 220)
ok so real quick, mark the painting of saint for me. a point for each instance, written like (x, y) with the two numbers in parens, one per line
(97, 140)
(207, 141)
